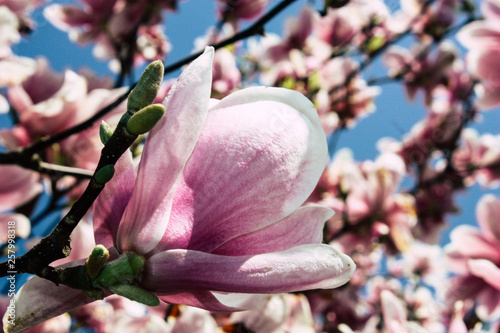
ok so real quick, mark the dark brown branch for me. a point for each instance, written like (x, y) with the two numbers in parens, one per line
(56, 245)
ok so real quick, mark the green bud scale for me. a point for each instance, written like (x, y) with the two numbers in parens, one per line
(96, 260)
(145, 119)
(104, 174)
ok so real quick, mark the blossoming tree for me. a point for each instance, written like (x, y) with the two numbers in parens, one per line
(218, 201)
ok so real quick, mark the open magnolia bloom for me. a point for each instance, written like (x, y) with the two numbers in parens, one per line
(214, 206)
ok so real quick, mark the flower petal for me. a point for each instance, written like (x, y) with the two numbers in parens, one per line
(488, 304)
(394, 313)
(491, 10)
(66, 17)
(483, 64)
(111, 203)
(299, 268)
(488, 216)
(40, 299)
(479, 34)
(17, 186)
(259, 157)
(165, 153)
(486, 270)
(214, 301)
(470, 243)
(304, 226)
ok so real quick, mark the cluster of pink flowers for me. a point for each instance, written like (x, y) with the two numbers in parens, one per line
(120, 28)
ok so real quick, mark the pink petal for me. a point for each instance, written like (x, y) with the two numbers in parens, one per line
(488, 217)
(19, 98)
(215, 302)
(39, 300)
(239, 181)
(396, 58)
(394, 313)
(457, 325)
(299, 268)
(491, 9)
(489, 97)
(13, 70)
(304, 226)
(486, 270)
(483, 63)
(66, 17)
(488, 304)
(111, 203)
(471, 243)
(44, 83)
(479, 34)
(17, 186)
(167, 149)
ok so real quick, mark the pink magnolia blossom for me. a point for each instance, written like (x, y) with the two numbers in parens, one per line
(418, 68)
(9, 33)
(17, 186)
(392, 319)
(294, 56)
(226, 75)
(84, 149)
(14, 70)
(474, 256)
(422, 260)
(347, 99)
(22, 9)
(478, 158)
(113, 22)
(366, 198)
(188, 319)
(395, 317)
(279, 313)
(117, 314)
(47, 102)
(437, 131)
(482, 40)
(336, 28)
(226, 216)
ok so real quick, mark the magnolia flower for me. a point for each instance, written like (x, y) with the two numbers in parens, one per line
(279, 313)
(17, 186)
(47, 102)
(481, 38)
(214, 207)
(474, 255)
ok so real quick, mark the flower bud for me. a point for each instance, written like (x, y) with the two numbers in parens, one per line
(104, 175)
(147, 88)
(105, 132)
(145, 119)
(135, 293)
(96, 261)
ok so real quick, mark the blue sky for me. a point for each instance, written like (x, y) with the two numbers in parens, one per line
(393, 118)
